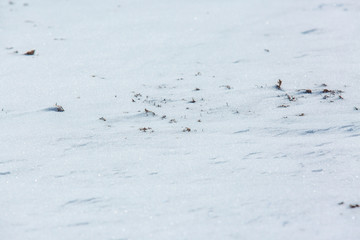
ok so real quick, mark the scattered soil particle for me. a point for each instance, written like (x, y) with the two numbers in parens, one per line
(102, 118)
(291, 98)
(187, 129)
(328, 91)
(192, 101)
(354, 206)
(341, 203)
(301, 114)
(226, 86)
(283, 106)
(147, 112)
(308, 91)
(31, 52)
(197, 89)
(146, 129)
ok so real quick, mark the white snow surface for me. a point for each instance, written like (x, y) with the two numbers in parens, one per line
(227, 155)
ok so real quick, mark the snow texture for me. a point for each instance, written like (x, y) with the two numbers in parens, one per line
(173, 126)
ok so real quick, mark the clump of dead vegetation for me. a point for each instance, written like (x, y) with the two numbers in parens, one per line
(137, 95)
(146, 129)
(350, 205)
(322, 90)
(331, 94)
(283, 106)
(148, 112)
(226, 86)
(173, 120)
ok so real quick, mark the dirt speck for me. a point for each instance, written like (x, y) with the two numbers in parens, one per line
(31, 52)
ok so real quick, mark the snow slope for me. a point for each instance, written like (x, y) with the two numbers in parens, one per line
(222, 154)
